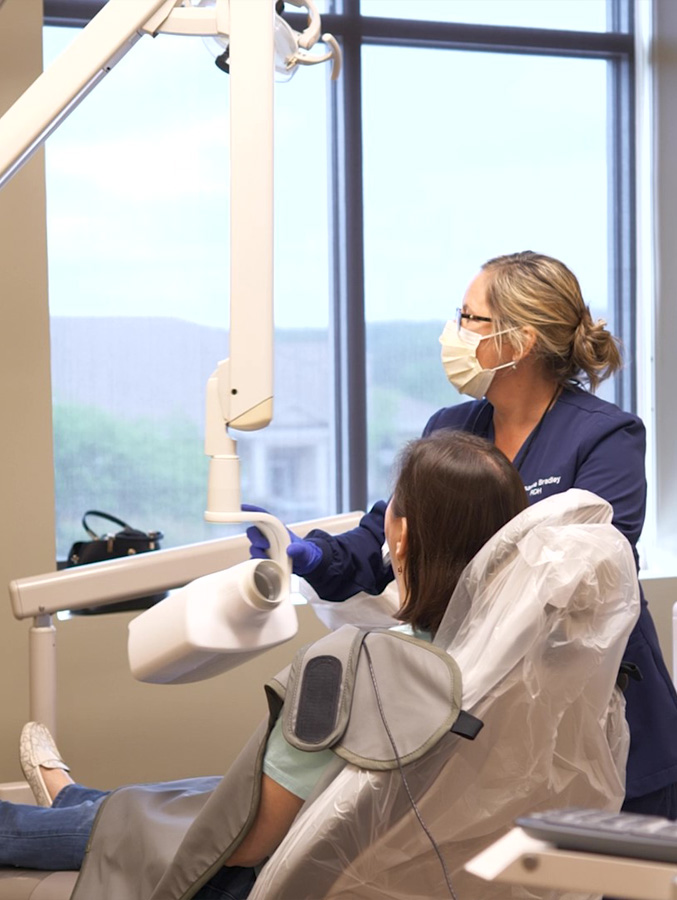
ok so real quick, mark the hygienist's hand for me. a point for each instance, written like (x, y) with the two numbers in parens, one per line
(305, 555)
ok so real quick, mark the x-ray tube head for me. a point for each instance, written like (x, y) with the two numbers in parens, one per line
(213, 624)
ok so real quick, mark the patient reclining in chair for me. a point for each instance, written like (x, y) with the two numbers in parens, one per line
(530, 643)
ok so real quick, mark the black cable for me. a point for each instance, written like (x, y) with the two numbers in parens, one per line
(423, 825)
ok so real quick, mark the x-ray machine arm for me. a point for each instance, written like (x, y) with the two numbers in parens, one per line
(240, 391)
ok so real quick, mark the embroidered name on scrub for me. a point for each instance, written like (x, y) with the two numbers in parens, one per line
(536, 487)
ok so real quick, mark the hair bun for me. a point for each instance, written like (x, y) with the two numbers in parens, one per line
(595, 350)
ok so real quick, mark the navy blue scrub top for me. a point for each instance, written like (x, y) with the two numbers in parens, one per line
(583, 442)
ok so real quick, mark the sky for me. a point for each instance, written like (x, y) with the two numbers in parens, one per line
(466, 156)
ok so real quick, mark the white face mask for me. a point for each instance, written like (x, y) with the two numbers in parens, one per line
(459, 358)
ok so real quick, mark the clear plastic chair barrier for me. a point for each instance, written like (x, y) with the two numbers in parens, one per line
(538, 625)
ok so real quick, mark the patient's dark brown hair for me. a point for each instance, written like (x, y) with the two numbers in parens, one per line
(456, 490)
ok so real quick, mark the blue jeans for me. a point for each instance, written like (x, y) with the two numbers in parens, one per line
(55, 838)
(37, 837)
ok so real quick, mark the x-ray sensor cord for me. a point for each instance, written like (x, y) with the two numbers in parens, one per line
(423, 825)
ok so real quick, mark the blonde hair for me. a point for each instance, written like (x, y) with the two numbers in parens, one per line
(529, 289)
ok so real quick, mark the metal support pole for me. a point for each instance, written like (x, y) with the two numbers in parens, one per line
(42, 672)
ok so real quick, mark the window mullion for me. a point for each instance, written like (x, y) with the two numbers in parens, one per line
(347, 239)
(622, 221)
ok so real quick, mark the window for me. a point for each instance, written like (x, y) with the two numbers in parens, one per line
(510, 153)
(458, 130)
(589, 15)
(138, 236)
(474, 139)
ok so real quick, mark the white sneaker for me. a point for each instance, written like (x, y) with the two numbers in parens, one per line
(37, 748)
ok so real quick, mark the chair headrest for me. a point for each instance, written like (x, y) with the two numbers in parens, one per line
(559, 557)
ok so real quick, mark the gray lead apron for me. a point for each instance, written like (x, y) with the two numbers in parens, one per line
(376, 698)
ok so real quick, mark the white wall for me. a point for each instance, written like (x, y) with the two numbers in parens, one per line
(661, 596)
(26, 472)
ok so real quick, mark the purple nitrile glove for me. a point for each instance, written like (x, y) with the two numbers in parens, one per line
(305, 555)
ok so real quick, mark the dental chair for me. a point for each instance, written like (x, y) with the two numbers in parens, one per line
(538, 625)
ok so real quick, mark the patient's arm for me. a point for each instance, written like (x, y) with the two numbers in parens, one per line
(277, 810)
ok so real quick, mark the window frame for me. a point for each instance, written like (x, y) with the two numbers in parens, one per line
(348, 326)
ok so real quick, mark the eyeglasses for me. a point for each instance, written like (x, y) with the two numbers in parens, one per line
(460, 316)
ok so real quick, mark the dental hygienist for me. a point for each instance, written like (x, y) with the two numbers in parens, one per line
(522, 342)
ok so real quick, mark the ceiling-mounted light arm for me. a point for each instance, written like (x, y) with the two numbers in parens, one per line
(54, 95)
(97, 49)
(104, 41)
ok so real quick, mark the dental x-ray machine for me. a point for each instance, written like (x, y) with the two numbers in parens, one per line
(249, 606)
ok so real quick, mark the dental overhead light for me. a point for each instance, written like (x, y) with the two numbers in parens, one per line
(291, 47)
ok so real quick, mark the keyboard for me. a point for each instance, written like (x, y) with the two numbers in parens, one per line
(613, 834)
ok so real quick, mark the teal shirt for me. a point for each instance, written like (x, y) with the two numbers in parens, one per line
(296, 770)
